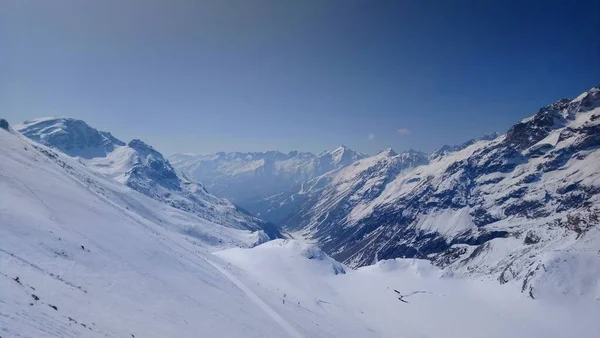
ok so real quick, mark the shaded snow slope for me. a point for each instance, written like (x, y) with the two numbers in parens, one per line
(139, 166)
(341, 195)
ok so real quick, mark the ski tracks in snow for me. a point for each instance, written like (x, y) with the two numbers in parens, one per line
(259, 302)
(285, 325)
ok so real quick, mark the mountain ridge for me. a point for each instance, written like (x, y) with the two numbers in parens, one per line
(502, 205)
(85, 256)
(251, 179)
(139, 166)
(510, 196)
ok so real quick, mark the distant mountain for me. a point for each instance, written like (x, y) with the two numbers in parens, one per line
(139, 166)
(259, 181)
(515, 206)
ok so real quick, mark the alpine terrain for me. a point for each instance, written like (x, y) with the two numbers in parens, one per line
(258, 182)
(493, 238)
(524, 205)
(515, 206)
(278, 169)
(139, 166)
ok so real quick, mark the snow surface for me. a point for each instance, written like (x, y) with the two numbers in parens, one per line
(364, 303)
(82, 255)
(139, 166)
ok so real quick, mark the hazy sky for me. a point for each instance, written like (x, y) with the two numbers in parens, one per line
(250, 75)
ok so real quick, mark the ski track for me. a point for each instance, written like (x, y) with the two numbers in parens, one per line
(256, 299)
(238, 283)
(247, 291)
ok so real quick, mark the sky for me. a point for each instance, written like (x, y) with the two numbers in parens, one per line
(255, 75)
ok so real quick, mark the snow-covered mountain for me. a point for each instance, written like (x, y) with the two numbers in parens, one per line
(259, 181)
(517, 206)
(325, 201)
(139, 166)
(83, 255)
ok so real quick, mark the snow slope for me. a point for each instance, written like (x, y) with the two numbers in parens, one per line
(341, 195)
(139, 166)
(366, 302)
(83, 255)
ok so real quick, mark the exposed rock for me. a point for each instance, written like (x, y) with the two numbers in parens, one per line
(531, 238)
(4, 124)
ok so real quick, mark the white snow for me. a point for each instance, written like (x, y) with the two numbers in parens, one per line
(448, 222)
(83, 255)
(363, 303)
(137, 165)
(108, 257)
(97, 259)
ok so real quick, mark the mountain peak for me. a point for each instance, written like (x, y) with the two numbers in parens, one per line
(339, 149)
(4, 124)
(343, 154)
(558, 105)
(588, 100)
(411, 151)
(72, 136)
(413, 157)
(388, 152)
(138, 144)
(446, 149)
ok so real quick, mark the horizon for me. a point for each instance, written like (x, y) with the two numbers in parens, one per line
(286, 152)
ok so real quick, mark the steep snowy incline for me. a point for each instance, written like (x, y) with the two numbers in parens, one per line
(258, 182)
(335, 197)
(139, 166)
(83, 255)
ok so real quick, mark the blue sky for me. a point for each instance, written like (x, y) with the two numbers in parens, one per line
(205, 76)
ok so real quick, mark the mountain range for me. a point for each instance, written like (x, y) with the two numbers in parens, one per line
(103, 238)
(511, 206)
(84, 255)
(514, 206)
(256, 181)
